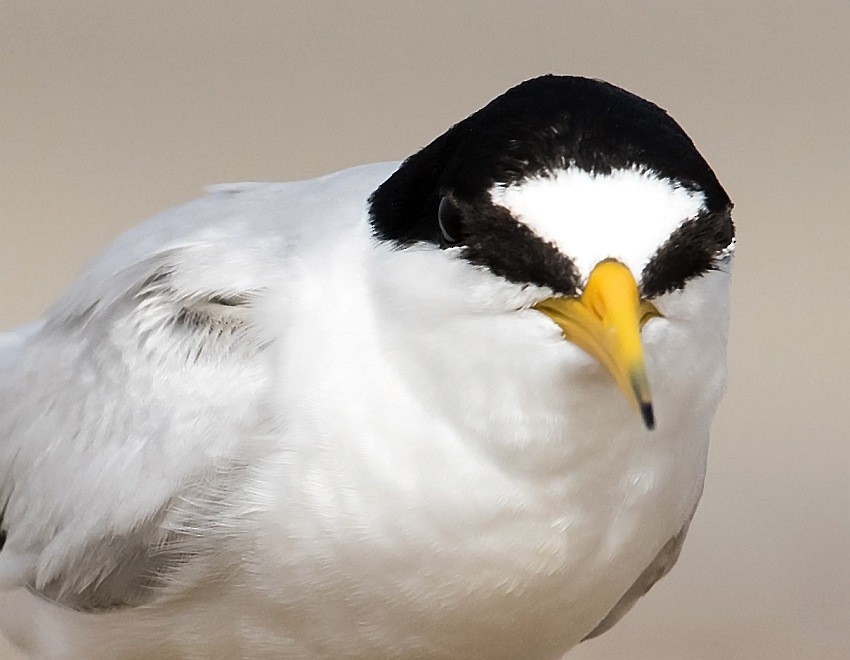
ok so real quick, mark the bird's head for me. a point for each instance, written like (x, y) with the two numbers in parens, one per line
(587, 193)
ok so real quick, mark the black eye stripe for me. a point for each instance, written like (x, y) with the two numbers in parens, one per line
(688, 253)
(495, 239)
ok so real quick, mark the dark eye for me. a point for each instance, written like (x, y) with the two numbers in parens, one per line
(450, 219)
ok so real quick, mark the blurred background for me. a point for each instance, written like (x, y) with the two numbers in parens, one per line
(112, 111)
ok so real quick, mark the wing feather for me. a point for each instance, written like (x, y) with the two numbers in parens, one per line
(657, 569)
(113, 413)
(128, 415)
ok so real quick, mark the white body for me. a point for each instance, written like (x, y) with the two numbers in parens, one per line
(381, 455)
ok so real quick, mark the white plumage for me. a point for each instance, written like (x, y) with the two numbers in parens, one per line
(251, 429)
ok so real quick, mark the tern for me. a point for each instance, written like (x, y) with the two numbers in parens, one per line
(453, 407)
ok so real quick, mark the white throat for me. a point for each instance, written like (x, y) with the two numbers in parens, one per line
(625, 215)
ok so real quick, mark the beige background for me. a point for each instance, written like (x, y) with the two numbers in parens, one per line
(112, 111)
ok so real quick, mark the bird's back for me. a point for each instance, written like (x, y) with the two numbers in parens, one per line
(127, 414)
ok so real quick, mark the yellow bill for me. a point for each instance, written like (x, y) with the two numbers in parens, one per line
(606, 321)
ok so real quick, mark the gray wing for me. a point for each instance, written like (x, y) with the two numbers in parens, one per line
(659, 567)
(127, 415)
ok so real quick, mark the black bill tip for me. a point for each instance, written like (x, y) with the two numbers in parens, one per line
(648, 414)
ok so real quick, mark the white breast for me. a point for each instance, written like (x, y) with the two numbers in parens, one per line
(469, 484)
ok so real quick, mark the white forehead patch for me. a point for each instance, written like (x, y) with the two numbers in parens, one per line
(625, 215)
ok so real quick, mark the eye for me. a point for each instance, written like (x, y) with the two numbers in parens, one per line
(450, 220)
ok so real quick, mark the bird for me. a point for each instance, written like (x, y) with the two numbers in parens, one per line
(456, 406)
